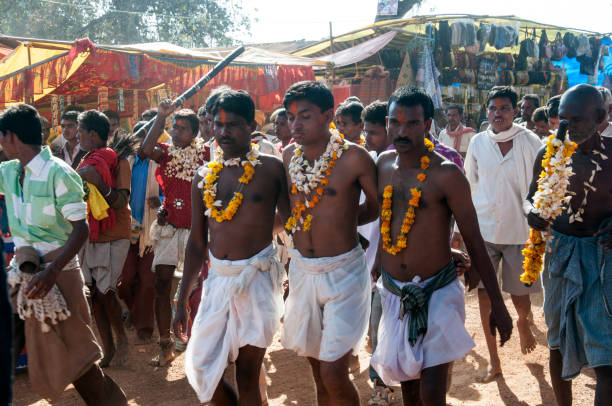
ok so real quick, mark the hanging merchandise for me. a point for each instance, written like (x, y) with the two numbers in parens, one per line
(406, 75)
(558, 48)
(54, 111)
(103, 98)
(482, 35)
(584, 47)
(135, 108)
(61, 104)
(544, 46)
(120, 101)
(486, 73)
(427, 76)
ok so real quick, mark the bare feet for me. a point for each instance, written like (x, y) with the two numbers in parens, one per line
(528, 341)
(107, 358)
(123, 353)
(166, 354)
(492, 374)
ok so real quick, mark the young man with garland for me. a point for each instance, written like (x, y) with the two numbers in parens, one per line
(499, 166)
(328, 306)
(234, 198)
(103, 255)
(178, 163)
(47, 216)
(422, 326)
(577, 273)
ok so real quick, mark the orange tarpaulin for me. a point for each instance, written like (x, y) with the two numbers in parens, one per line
(80, 69)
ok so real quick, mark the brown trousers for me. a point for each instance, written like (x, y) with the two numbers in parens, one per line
(136, 288)
(61, 356)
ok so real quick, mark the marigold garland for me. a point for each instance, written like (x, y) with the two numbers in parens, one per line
(210, 175)
(184, 162)
(409, 217)
(548, 201)
(307, 179)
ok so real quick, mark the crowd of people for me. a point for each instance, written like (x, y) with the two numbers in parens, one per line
(372, 215)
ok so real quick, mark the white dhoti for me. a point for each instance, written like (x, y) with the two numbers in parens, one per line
(446, 339)
(328, 308)
(241, 305)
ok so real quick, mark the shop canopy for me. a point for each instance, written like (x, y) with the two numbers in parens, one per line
(36, 69)
(409, 33)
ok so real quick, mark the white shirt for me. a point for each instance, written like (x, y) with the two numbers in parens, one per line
(449, 141)
(607, 132)
(500, 184)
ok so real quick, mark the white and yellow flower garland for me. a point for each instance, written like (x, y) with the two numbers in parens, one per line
(549, 201)
(305, 178)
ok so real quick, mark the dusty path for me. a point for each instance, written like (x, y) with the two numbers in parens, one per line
(525, 380)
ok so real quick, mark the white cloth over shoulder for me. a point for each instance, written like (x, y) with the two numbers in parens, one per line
(241, 305)
(328, 308)
(500, 183)
(446, 339)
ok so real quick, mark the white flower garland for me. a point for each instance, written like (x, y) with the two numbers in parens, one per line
(184, 162)
(588, 185)
(307, 178)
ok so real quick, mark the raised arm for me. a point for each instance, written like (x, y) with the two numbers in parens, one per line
(457, 192)
(147, 148)
(366, 176)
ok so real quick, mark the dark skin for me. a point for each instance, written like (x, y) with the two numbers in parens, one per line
(249, 232)
(332, 234)
(182, 135)
(584, 112)
(334, 230)
(376, 137)
(527, 108)
(281, 129)
(349, 128)
(106, 308)
(445, 193)
(93, 386)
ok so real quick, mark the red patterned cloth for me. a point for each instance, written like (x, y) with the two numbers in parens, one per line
(104, 161)
(177, 190)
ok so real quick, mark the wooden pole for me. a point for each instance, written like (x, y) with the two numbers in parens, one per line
(331, 51)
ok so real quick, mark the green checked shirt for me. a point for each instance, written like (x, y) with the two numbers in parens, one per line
(52, 195)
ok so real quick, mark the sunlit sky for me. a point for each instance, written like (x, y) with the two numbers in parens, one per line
(309, 19)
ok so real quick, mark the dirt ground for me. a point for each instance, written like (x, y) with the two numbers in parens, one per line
(525, 382)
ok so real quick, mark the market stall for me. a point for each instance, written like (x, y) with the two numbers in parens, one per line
(132, 78)
(457, 58)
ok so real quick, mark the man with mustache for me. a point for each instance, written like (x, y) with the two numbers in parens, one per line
(498, 165)
(577, 274)
(422, 326)
(178, 164)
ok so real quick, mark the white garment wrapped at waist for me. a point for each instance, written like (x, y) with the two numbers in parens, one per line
(241, 305)
(446, 339)
(328, 308)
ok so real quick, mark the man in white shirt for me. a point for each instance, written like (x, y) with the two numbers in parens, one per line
(455, 134)
(498, 165)
(605, 128)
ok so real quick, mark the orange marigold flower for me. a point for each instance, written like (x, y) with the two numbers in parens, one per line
(421, 177)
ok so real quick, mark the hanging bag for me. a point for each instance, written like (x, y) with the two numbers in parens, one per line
(558, 50)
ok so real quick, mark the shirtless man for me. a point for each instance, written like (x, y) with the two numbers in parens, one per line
(328, 305)
(416, 349)
(242, 301)
(578, 265)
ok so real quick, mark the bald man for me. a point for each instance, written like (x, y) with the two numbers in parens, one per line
(578, 268)
(605, 128)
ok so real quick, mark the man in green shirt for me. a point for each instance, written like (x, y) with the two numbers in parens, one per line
(47, 216)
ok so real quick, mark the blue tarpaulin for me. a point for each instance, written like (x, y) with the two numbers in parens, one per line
(572, 68)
